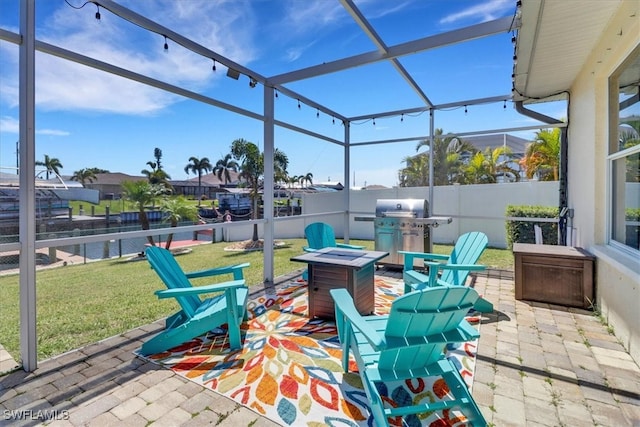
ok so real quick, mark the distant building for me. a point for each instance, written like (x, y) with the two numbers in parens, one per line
(109, 185)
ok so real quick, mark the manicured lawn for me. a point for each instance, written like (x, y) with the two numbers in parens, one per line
(81, 304)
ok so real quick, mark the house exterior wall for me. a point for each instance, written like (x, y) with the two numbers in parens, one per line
(618, 274)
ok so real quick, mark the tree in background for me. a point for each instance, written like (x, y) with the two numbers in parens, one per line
(416, 173)
(157, 154)
(156, 175)
(485, 168)
(51, 164)
(84, 175)
(251, 162)
(98, 170)
(177, 209)
(198, 166)
(143, 194)
(542, 156)
(223, 168)
(306, 179)
(448, 151)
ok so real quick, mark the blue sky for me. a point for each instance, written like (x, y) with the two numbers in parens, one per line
(88, 118)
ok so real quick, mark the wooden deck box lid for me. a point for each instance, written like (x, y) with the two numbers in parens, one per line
(551, 250)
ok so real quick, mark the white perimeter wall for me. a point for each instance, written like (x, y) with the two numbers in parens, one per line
(472, 207)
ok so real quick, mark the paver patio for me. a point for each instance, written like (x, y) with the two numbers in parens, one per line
(537, 365)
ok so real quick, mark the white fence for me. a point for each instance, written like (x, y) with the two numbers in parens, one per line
(472, 207)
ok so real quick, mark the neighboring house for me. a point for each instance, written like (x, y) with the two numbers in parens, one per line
(109, 185)
(210, 184)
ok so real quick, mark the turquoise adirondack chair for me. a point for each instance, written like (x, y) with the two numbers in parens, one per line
(409, 343)
(197, 316)
(320, 235)
(455, 267)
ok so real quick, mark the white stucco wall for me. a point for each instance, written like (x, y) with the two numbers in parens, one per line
(467, 205)
(617, 273)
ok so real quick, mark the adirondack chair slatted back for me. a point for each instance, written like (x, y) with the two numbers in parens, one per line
(415, 317)
(165, 265)
(320, 235)
(467, 250)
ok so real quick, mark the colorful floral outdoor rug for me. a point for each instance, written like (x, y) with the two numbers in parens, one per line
(289, 369)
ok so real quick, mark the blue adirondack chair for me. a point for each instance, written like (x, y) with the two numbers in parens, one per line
(455, 267)
(409, 343)
(197, 316)
(320, 235)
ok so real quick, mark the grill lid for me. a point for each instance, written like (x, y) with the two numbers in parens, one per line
(401, 208)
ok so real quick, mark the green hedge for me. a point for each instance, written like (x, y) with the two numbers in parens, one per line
(523, 231)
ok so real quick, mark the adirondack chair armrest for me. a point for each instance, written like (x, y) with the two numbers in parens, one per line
(410, 256)
(424, 255)
(347, 246)
(345, 307)
(236, 270)
(467, 267)
(197, 290)
(308, 249)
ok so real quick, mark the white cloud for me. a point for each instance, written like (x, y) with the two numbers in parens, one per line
(65, 85)
(9, 124)
(481, 12)
(52, 132)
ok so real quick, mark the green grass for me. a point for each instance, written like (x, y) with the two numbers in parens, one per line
(81, 304)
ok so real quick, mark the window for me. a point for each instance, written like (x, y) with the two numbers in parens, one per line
(624, 156)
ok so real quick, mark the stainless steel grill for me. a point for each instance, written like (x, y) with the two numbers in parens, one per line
(403, 225)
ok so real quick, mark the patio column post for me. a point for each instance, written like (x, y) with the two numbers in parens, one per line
(268, 251)
(347, 181)
(27, 193)
(431, 131)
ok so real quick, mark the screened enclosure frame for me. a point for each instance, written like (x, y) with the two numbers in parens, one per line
(28, 45)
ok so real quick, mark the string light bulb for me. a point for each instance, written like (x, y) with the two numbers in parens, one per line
(402, 117)
(276, 93)
(98, 13)
(298, 104)
(333, 120)
(214, 65)
(465, 109)
(504, 106)
(374, 121)
(166, 45)
(317, 113)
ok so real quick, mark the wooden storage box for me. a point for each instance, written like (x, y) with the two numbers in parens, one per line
(560, 275)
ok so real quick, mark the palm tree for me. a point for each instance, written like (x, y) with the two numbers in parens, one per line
(416, 173)
(84, 175)
(177, 209)
(485, 168)
(142, 194)
(224, 166)
(308, 178)
(448, 152)
(51, 164)
(156, 175)
(157, 154)
(252, 168)
(197, 166)
(542, 157)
